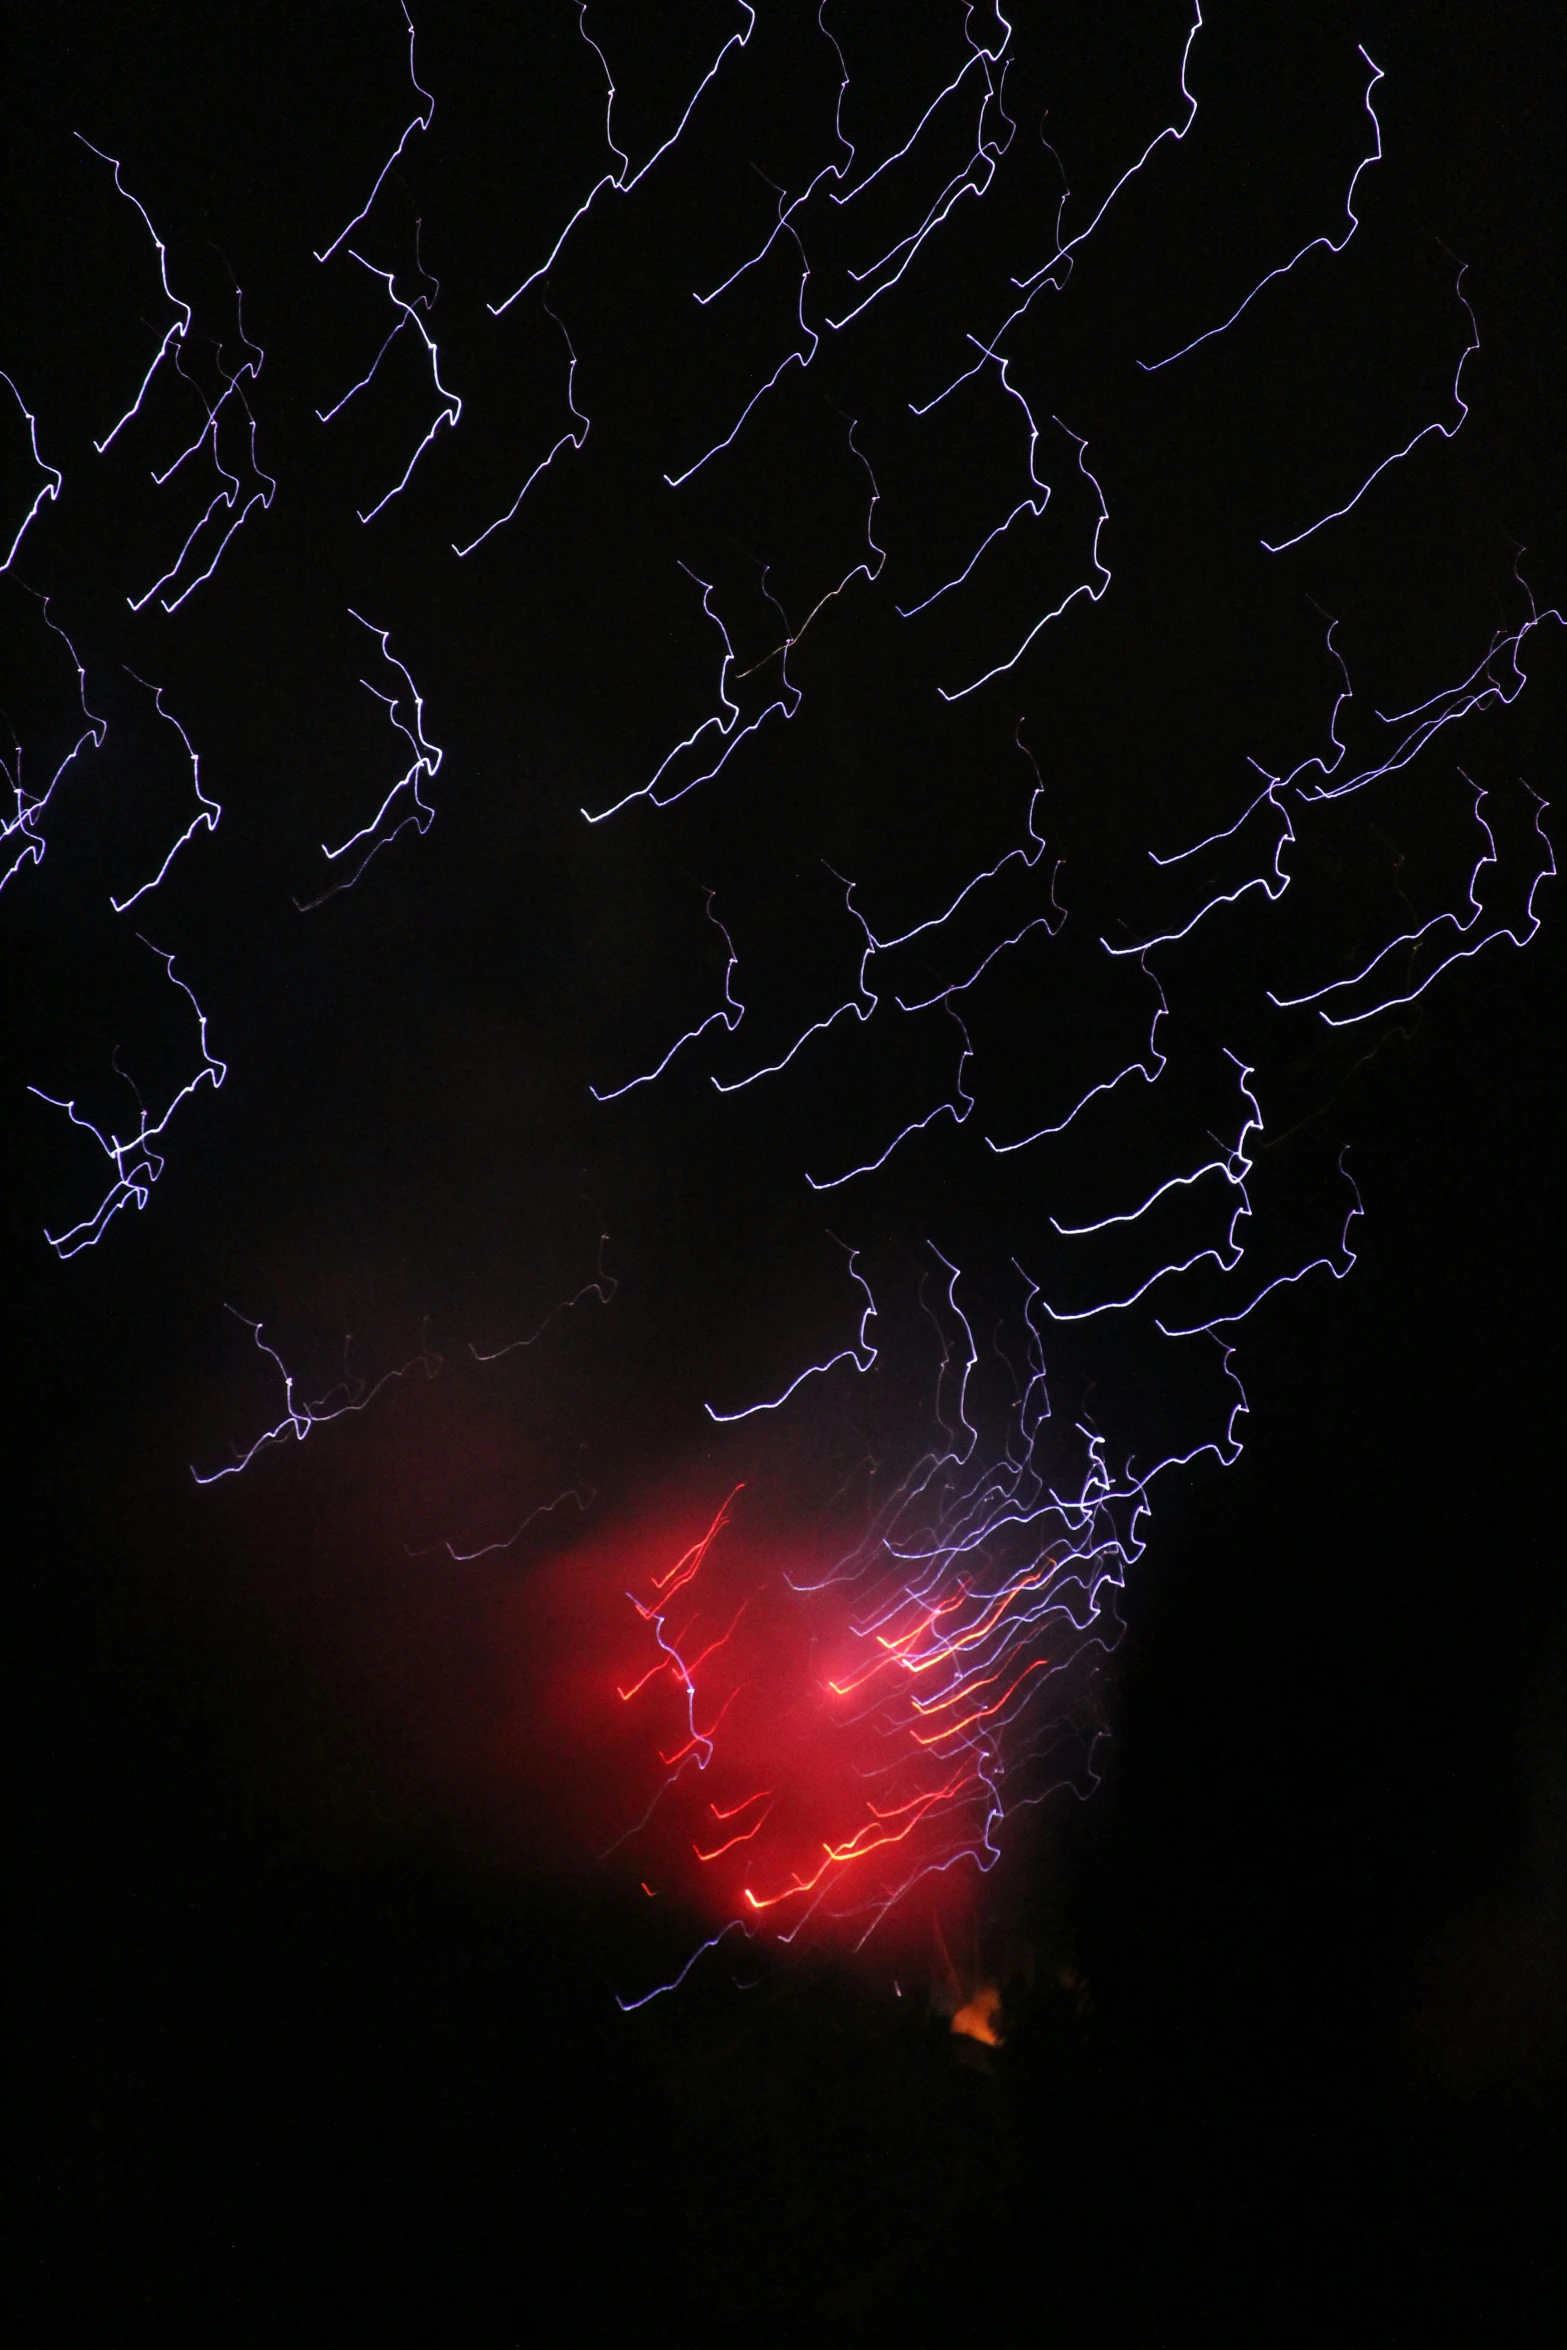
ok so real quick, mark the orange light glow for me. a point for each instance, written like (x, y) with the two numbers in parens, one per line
(976, 2019)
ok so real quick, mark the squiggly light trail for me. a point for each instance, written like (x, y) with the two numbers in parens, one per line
(135, 1159)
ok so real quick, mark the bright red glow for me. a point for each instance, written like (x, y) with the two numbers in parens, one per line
(781, 1750)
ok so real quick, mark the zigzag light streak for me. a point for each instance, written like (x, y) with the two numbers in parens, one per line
(1448, 432)
(978, 1588)
(1459, 925)
(568, 440)
(137, 1164)
(178, 327)
(19, 831)
(983, 1588)
(176, 344)
(450, 411)
(1093, 589)
(54, 479)
(427, 761)
(862, 1354)
(786, 701)
(728, 1016)
(957, 1110)
(350, 1395)
(624, 181)
(1150, 1071)
(205, 818)
(1323, 244)
(420, 122)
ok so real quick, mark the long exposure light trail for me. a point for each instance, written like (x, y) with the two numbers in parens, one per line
(905, 757)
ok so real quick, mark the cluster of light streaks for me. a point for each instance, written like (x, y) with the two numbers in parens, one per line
(354, 1393)
(1450, 930)
(135, 1158)
(987, 1635)
(194, 358)
(243, 485)
(412, 310)
(951, 1653)
(943, 1657)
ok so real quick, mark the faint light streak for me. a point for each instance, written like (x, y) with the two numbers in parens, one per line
(300, 1418)
(545, 1509)
(603, 1287)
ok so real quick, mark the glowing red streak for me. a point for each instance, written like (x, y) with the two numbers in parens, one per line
(700, 1737)
(896, 1650)
(996, 1608)
(626, 1695)
(838, 1855)
(735, 1809)
(744, 1837)
(689, 1561)
(984, 1712)
(714, 1646)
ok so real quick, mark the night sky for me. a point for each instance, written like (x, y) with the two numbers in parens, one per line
(644, 1033)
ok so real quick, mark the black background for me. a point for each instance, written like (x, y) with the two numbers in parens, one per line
(299, 2061)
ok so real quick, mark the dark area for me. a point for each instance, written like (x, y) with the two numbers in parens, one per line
(1285, 2051)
